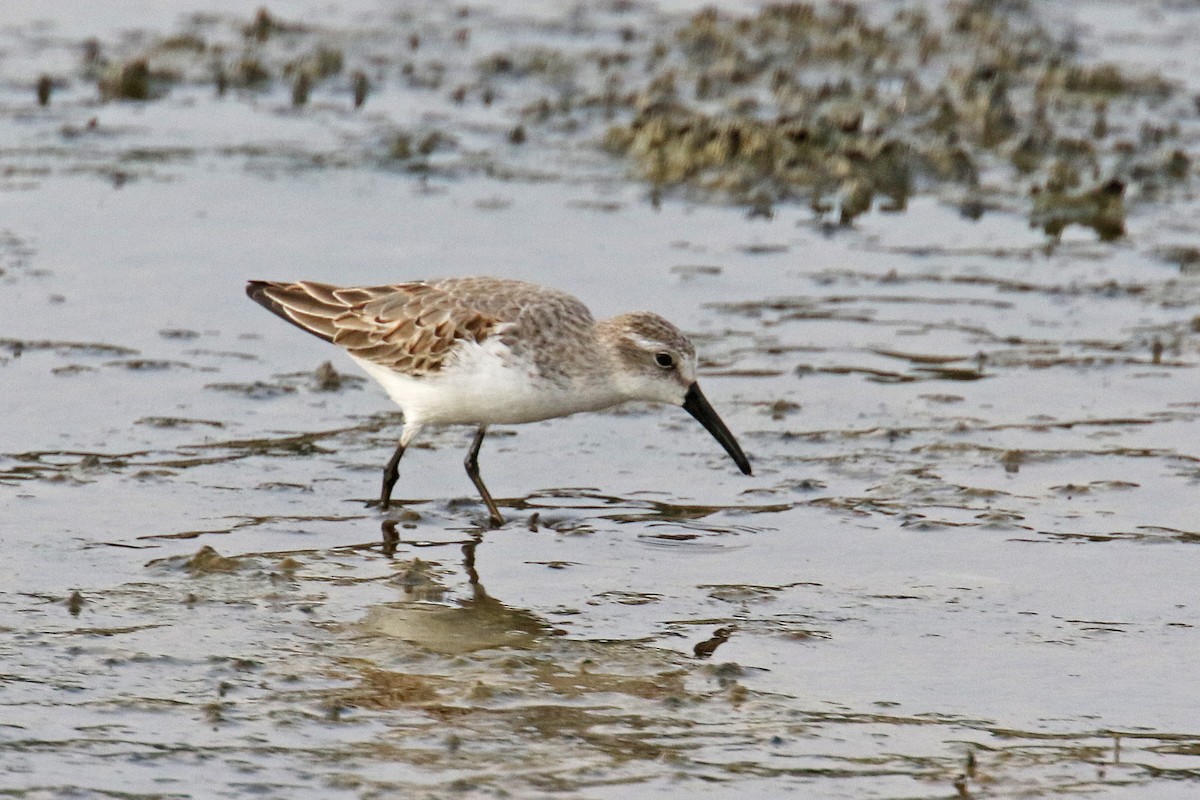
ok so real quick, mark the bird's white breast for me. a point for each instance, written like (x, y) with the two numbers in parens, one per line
(485, 384)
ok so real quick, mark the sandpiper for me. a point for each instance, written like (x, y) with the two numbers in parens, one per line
(484, 351)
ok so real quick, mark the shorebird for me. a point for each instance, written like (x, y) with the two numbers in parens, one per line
(484, 351)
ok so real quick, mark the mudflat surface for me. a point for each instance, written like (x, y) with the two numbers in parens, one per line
(941, 268)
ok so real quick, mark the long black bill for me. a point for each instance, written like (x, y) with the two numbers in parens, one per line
(695, 404)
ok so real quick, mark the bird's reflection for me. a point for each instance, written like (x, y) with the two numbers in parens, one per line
(391, 538)
(476, 622)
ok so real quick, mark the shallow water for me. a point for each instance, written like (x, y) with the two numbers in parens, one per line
(961, 568)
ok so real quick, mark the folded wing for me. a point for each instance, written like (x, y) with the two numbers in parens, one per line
(412, 328)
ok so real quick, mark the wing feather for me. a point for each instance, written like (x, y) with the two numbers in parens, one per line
(413, 328)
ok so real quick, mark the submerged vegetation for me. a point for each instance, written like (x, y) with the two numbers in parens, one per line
(826, 106)
(820, 104)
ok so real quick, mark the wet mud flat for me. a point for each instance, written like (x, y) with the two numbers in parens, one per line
(941, 267)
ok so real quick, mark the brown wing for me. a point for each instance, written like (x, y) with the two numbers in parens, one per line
(409, 327)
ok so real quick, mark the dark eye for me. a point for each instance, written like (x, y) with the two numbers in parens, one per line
(664, 360)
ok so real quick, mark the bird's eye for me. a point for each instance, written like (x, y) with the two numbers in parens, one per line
(664, 360)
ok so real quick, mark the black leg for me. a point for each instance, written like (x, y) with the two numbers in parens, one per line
(472, 464)
(391, 474)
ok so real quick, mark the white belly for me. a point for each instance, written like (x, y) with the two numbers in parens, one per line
(486, 386)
